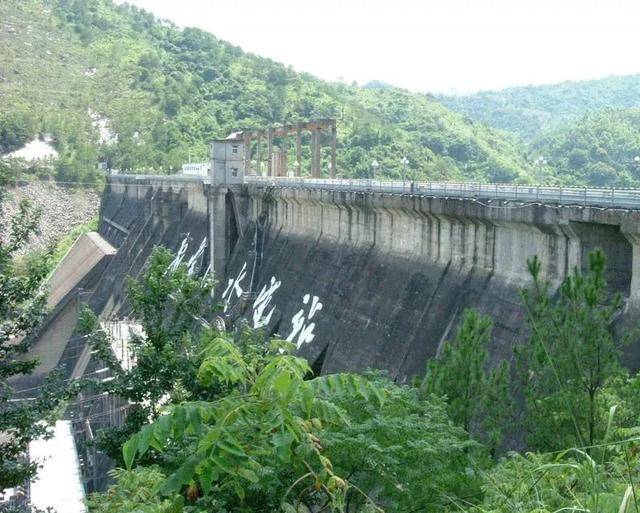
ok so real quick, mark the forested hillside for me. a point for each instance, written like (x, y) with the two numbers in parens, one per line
(112, 83)
(602, 149)
(528, 110)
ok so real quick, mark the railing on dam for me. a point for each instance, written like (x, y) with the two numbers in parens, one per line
(585, 196)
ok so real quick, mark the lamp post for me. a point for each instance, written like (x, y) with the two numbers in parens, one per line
(540, 162)
(405, 163)
(374, 168)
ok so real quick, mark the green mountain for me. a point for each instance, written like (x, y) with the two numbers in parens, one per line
(602, 149)
(527, 111)
(113, 83)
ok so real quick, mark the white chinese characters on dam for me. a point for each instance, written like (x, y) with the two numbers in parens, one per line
(302, 332)
(302, 327)
(234, 287)
(262, 302)
(195, 259)
(180, 255)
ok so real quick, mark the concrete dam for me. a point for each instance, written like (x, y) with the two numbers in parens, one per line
(357, 275)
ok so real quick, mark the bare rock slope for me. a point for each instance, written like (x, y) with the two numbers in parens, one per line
(63, 209)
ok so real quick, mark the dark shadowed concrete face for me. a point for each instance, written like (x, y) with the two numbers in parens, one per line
(379, 310)
(394, 274)
(358, 280)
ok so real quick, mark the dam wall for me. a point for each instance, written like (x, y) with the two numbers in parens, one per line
(394, 273)
(138, 214)
(358, 279)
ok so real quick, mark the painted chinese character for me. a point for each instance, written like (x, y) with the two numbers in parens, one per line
(301, 330)
(262, 302)
(180, 256)
(191, 265)
(234, 287)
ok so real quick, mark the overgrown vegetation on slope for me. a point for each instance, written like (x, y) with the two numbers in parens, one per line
(22, 307)
(527, 111)
(246, 427)
(577, 133)
(602, 149)
(112, 83)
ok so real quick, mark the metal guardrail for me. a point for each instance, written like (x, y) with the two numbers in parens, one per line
(585, 196)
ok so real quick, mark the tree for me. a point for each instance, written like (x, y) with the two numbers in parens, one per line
(133, 491)
(168, 303)
(277, 438)
(601, 174)
(577, 158)
(257, 446)
(16, 128)
(571, 355)
(478, 399)
(406, 452)
(22, 307)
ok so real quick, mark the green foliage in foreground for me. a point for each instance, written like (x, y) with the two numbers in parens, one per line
(166, 304)
(262, 434)
(279, 440)
(404, 452)
(478, 399)
(569, 481)
(572, 355)
(260, 438)
(22, 307)
(135, 491)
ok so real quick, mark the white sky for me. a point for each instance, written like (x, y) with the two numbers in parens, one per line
(427, 45)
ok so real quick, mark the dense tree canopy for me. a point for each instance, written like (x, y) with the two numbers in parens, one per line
(601, 149)
(147, 95)
(527, 111)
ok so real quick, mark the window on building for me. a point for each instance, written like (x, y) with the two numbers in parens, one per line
(234, 148)
(234, 171)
